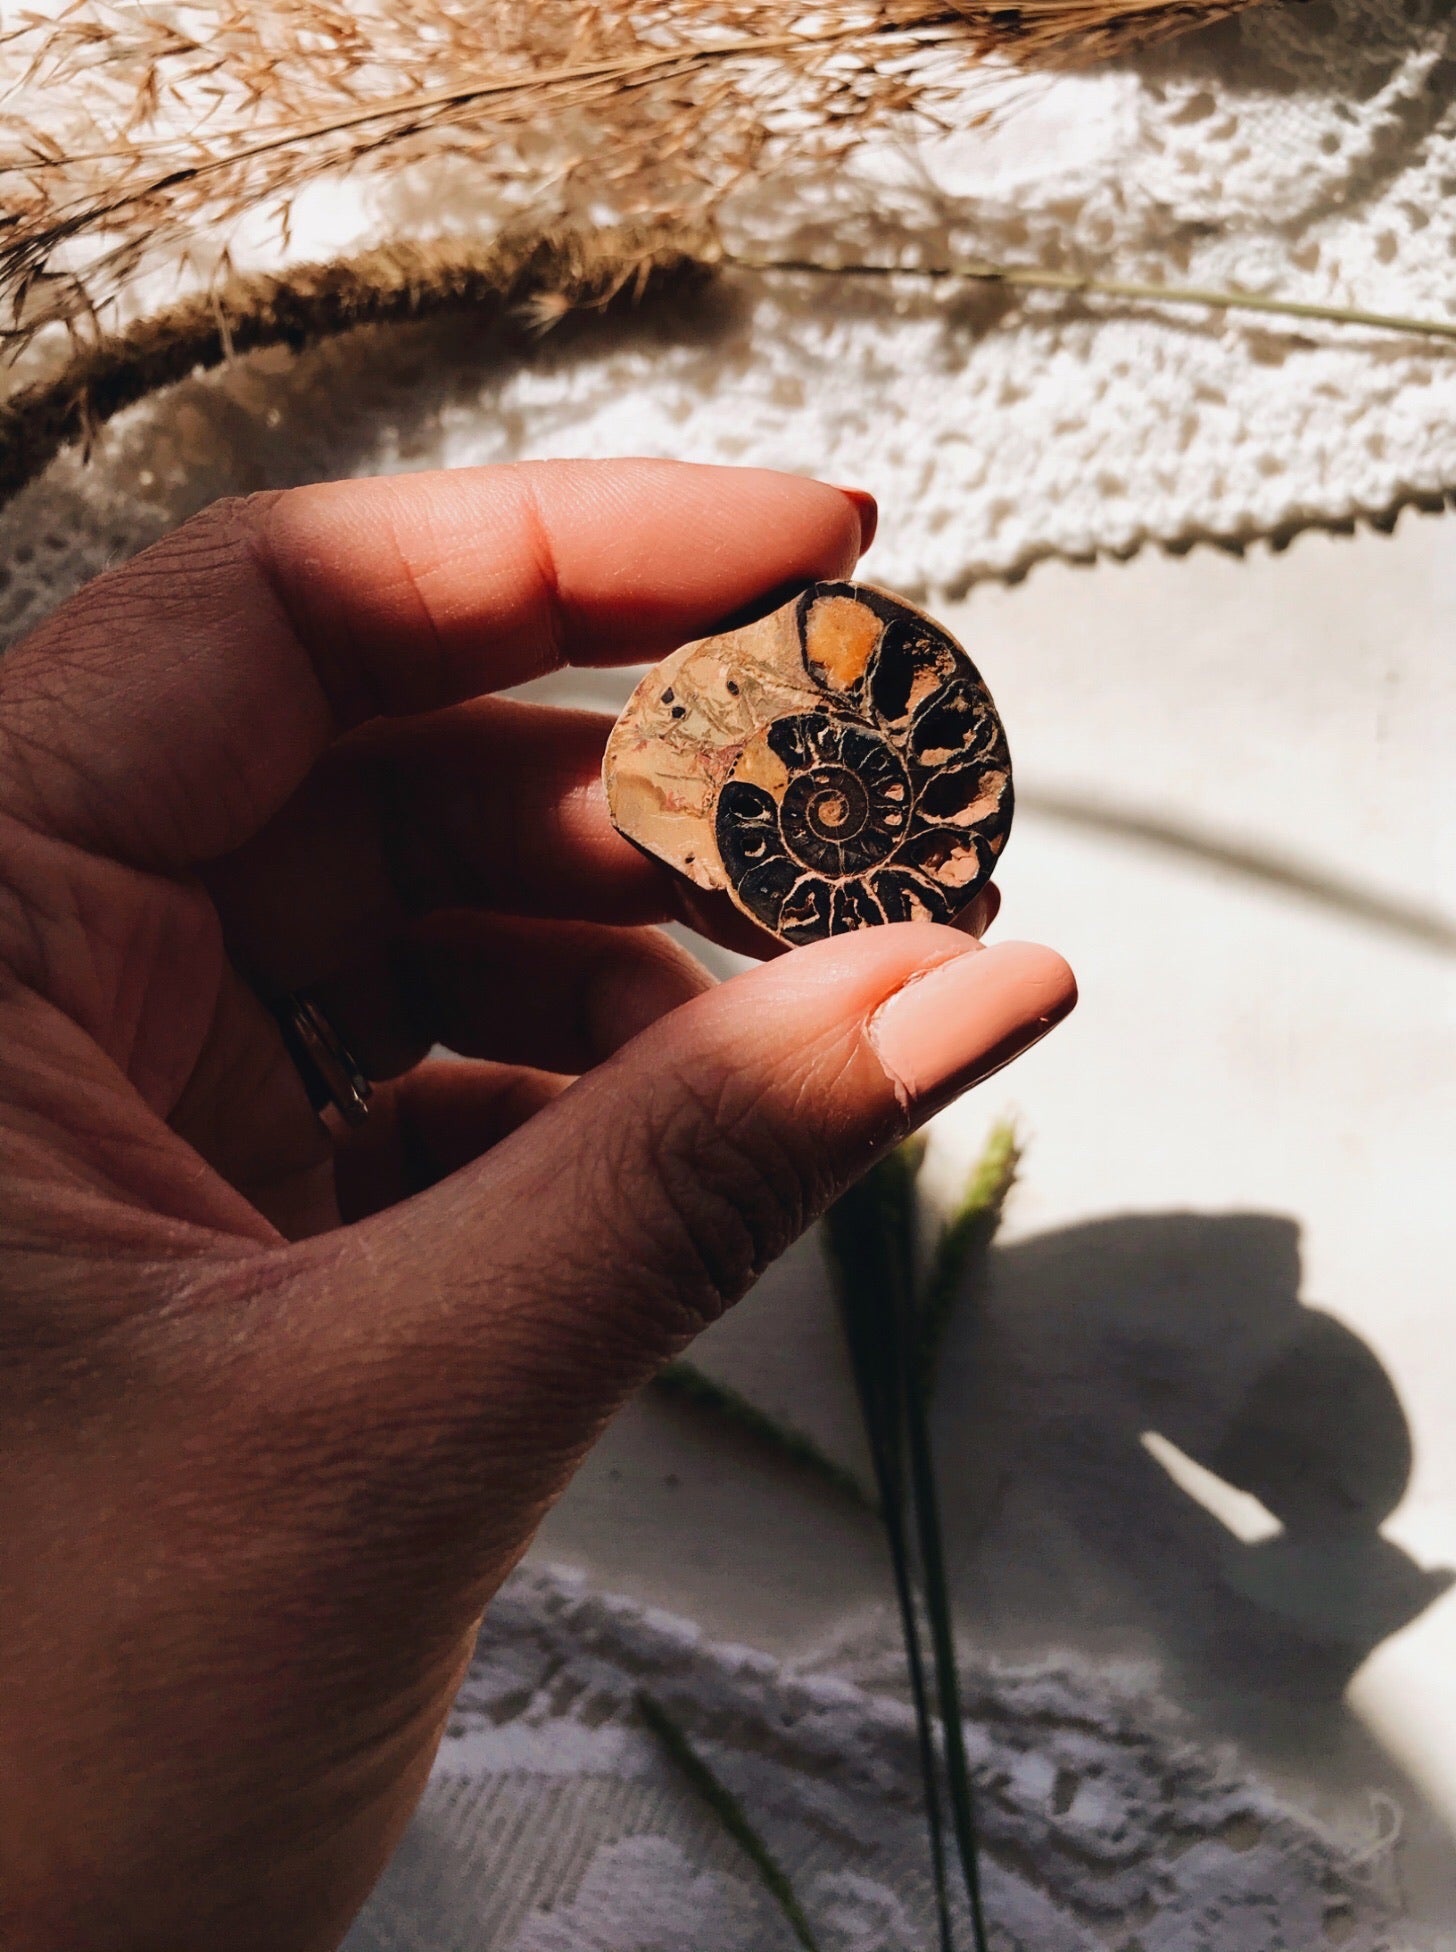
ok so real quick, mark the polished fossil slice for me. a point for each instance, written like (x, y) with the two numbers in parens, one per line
(837, 764)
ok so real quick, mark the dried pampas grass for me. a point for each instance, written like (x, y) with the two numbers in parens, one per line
(538, 277)
(135, 138)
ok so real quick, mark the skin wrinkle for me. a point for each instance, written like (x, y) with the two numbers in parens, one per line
(542, 550)
(169, 820)
(239, 803)
(257, 1490)
(155, 1286)
(424, 1483)
(734, 1210)
(74, 970)
(106, 613)
(34, 971)
(334, 688)
(92, 921)
(724, 1122)
(625, 1226)
(267, 1542)
(171, 915)
(411, 578)
(842, 1057)
(231, 1068)
(38, 1138)
(88, 1169)
(528, 534)
(228, 1089)
(81, 1120)
(168, 811)
(27, 755)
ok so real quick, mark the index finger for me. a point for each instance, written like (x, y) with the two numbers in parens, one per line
(169, 710)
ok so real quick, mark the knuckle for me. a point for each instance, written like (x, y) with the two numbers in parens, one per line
(65, 671)
(342, 635)
(536, 540)
(177, 576)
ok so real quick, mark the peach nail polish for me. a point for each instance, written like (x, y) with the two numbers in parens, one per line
(868, 511)
(950, 1028)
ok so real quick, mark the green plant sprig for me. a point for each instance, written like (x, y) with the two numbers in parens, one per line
(894, 1321)
(869, 1238)
(688, 1384)
(966, 1235)
(730, 1813)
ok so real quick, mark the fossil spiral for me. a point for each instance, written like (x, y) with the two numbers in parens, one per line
(834, 765)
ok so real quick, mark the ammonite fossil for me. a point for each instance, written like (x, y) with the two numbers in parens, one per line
(837, 764)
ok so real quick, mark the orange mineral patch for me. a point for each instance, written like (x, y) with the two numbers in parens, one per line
(839, 636)
(761, 765)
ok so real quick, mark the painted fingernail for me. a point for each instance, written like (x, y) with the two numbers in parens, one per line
(947, 1030)
(982, 912)
(868, 511)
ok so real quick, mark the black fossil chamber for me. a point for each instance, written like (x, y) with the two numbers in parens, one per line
(892, 802)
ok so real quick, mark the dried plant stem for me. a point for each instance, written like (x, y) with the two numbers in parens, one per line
(565, 270)
(134, 135)
(619, 73)
(1026, 277)
(543, 273)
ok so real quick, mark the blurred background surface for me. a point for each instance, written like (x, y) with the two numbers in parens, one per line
(1198, 1427)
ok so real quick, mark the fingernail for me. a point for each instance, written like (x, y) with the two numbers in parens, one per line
(868, 511)
(982, 912)
(947, 1030)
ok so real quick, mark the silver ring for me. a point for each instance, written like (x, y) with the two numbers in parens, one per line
(327, 1066)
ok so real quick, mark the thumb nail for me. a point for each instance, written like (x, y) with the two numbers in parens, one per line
(950, 1028)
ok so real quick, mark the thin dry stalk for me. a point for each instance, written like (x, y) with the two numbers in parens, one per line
(132, 138)
(540, 276)
(1075, 284)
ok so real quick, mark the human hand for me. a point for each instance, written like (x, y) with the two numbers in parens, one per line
(282, 1404)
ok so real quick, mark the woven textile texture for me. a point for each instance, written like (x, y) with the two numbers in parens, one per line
(1307, 150)
(554, 1822)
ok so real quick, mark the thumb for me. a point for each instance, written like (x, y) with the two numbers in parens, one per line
(521, 1300)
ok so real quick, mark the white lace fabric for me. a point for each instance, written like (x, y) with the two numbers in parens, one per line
(555, 1822)
(1303, 150)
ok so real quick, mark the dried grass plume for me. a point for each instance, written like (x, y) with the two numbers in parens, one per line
(141, 140)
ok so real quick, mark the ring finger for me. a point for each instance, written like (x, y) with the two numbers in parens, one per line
(493, 804)
(556, 996)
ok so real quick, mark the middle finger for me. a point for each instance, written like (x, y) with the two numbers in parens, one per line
(494, 804)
